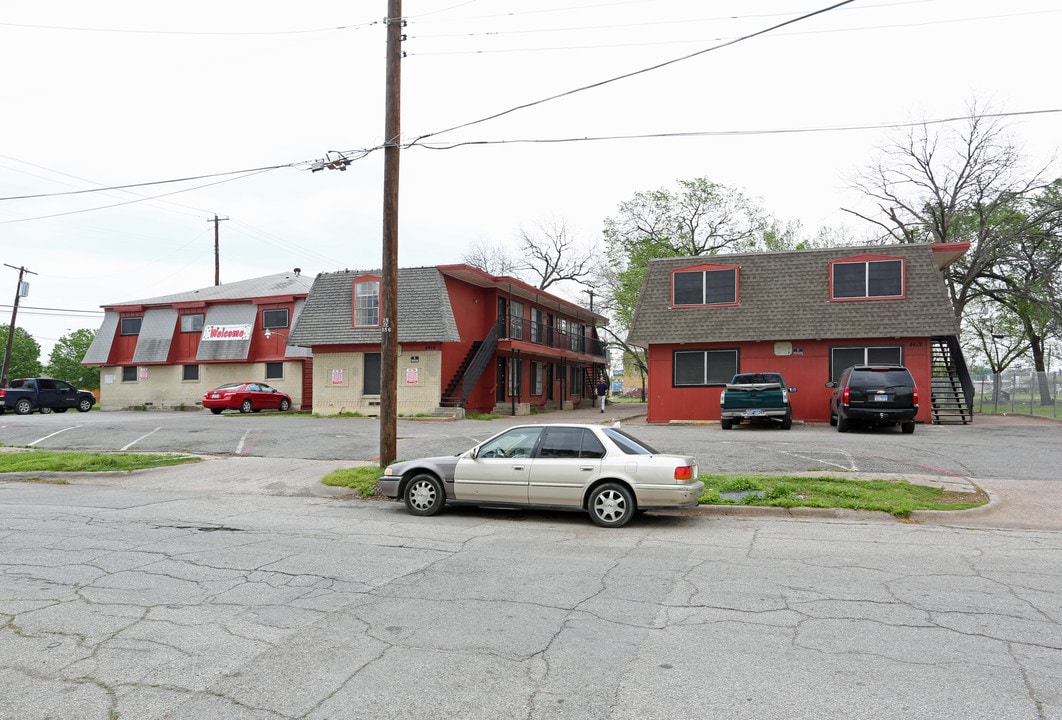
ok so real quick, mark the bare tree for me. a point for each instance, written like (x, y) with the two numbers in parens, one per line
(946, 184)
(490, 257)
(551, 255)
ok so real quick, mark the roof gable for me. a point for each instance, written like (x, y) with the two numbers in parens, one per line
(786, 295)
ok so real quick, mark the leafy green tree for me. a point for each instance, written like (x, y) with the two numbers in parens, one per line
(65, 360)
(700, 217)
(25, 358)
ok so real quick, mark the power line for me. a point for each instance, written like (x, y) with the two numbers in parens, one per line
(733, 133)
(131, 31)
(637, 72)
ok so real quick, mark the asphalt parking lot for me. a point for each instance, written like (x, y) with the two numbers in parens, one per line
(1013, 458)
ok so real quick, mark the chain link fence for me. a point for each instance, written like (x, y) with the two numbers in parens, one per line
(1018, 391)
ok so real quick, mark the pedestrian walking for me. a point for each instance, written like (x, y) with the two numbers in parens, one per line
(602, 392)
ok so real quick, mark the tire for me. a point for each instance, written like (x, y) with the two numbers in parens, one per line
(46, 411)
(23, 407)
(61, 410)
(611, 505)
(842, 424)
(787, 421)
(284, 405)
(424, 495)
(726, 423)
(907, 427)
(216, 411)
(84, 405)
(833, 419)
(246, 407)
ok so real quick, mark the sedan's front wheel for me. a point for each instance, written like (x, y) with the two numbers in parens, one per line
(284, 405)
(611, 505)
(424, 495)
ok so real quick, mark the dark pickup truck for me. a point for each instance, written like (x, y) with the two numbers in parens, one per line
(753, 397)
(45, 394)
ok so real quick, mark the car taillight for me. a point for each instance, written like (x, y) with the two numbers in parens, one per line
(722, 398)
(914, 395)
(684, 472)
(785, 396)
(844, 395)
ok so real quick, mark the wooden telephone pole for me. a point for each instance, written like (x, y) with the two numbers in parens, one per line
(389, 270)
(217, 250)
(20, 290)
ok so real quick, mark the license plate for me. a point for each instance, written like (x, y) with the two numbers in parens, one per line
(881, 398)
(215, 396)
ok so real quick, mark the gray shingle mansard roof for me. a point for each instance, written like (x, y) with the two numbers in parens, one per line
(285, 283)
(786, 295)
(424, 310)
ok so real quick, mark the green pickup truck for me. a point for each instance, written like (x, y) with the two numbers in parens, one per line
(756, 397)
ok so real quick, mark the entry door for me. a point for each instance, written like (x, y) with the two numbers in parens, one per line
(567, 461)
(500, 470)
(499, 392)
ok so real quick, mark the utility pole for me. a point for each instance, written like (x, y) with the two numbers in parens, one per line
(217, 250)
(20, 291)
(389, 270)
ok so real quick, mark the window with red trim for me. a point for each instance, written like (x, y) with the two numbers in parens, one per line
(705, 285)
(867, 277)
(366, 294)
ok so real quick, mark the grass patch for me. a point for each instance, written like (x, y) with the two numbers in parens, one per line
(896, 497)
(362, 479)
(48, 461)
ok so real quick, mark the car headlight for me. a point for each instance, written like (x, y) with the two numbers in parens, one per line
(387, 471)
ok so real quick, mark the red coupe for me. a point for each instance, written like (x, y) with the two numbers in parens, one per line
(246, 397)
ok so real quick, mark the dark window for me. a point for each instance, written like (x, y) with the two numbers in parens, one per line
(704, 367)
(370, 384)
(705, 287)
(629, 445)
(45, 384)
(274, 371)
(870, 279)
(193, 322)
(275, 318)
(843, 357)
(536, 377)
(569, 442)
(129, 373)
(131, 325)
(576, 381)
(191, 372)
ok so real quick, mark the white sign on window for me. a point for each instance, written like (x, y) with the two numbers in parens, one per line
(226, 332)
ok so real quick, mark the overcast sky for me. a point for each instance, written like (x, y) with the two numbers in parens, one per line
(118, 92)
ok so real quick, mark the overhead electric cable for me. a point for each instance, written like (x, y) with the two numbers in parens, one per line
(636, 72)
(734, 133)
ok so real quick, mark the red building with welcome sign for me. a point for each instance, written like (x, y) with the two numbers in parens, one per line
(166, 352)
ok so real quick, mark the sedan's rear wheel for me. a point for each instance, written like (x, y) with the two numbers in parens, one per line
(611, 505)
(216, 411)
(424, 495)
(245, 406)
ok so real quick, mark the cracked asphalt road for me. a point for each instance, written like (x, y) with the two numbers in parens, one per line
(239, 589)
(120, 602)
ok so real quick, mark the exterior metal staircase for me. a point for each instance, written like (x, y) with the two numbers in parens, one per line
(470, 370)
(952, 390)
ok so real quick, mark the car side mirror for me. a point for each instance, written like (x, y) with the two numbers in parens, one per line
(831, 384)
(792, 389)
(473, 453)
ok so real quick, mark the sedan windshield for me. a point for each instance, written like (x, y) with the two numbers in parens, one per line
(629, 445)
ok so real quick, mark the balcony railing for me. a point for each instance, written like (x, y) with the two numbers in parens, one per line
(542, 334)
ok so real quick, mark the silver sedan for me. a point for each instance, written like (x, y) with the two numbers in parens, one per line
(600, 469)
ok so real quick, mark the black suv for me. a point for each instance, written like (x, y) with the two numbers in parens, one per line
(874, 395)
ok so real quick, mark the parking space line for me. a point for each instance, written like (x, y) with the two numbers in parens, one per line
(139, 439)
(239, 445)
(74, 427)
